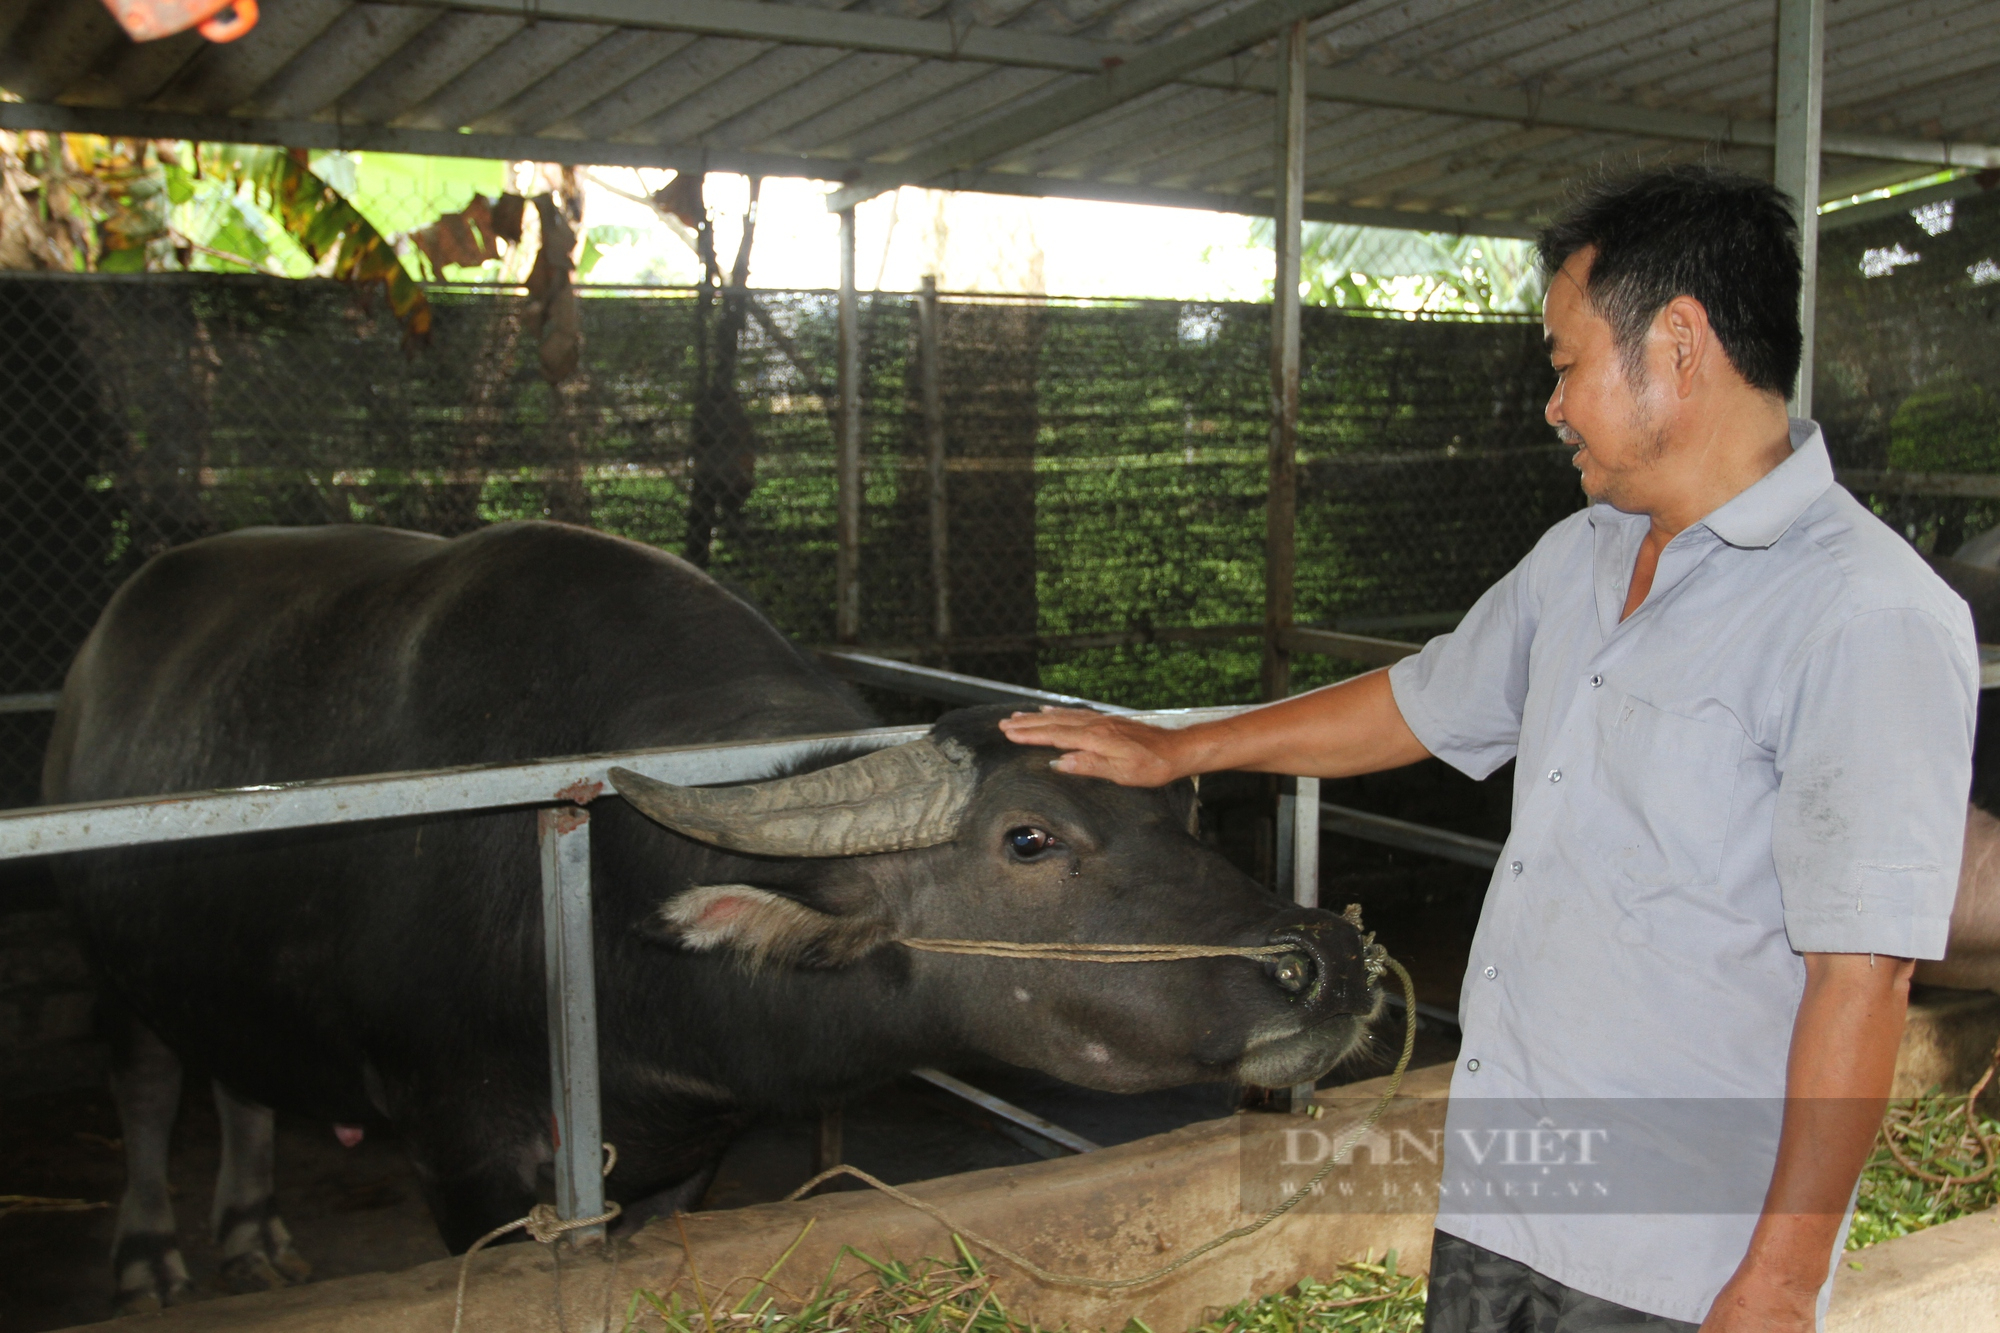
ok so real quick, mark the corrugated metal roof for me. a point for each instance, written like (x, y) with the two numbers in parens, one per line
(1476, 109)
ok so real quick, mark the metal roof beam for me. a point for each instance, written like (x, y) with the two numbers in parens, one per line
(1870, 210)
(1256, 206)
(325, 134)
(1154, 66)
(591, 152)
(806, 25)
(931, 39)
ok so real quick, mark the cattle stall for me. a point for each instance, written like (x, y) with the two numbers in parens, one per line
(1157, 503)
(564, 834)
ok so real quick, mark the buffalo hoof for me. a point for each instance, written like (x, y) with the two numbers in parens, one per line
(151, 1274)
(257, 1271)
(257, 1253)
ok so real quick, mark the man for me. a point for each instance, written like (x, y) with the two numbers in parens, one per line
(1742, 712)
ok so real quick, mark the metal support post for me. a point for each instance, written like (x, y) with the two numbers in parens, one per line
(1305, 843)
(1305, 878)
(571, 976)
(1282, 830)
(1281, 502)
(929, 346)
(831, 1149)
(1801, 66)
(847, 559)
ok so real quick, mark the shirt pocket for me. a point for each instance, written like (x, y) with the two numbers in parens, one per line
(1665, 784)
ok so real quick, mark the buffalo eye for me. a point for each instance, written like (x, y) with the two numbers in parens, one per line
(1028, 842)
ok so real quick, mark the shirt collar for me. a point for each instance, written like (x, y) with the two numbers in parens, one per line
(1765, 510)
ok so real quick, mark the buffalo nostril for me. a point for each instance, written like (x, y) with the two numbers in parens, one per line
(1292, 971)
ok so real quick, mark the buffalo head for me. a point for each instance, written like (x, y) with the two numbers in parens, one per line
(965, 835)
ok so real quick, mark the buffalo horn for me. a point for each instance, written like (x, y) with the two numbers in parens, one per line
(906, 796)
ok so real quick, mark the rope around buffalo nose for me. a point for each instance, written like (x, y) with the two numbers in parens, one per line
(1096, 953)
(1130, 953)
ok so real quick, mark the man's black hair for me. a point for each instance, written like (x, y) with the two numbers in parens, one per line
(1727, 240)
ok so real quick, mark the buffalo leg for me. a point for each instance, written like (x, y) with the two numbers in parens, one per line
(680, 1198)
(146, 1259)
(257, 1253)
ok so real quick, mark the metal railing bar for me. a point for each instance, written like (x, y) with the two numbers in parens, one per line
(44, 702)
(50, 830)
(55, 830)
(948, 686)
(1436, 1013)
(1006, 1110)
(1460, 847)
(1347, 647)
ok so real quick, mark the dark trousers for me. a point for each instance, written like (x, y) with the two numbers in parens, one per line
(1473, 1290)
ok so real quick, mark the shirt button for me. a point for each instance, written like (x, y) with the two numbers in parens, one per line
(1492, 972)
(1555, 775)
(1596, 681)
(1515, 867)
(1472, 1066)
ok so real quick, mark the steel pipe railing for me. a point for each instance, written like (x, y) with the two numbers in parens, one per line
(557, 789)
(560, 789)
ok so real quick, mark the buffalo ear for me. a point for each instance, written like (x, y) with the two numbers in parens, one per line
(765, 929)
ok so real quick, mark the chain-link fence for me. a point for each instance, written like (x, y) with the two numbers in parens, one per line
(1101, 483)
(1080, 503)
(1908, 378)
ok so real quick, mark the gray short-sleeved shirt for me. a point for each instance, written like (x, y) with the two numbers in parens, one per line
(1770, 757)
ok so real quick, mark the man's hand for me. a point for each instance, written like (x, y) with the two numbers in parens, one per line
(1751, 1303)
(1095, 745)
(1335, 732)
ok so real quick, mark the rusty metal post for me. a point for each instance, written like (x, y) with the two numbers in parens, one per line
(847, 559)
(570, 973)
(929, 349)
(830, 1148)
(1282, 501)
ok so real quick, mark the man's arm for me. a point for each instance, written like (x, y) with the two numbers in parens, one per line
(1837, 1078)
(1335, 732)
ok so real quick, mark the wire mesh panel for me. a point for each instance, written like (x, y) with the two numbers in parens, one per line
(1065, 494)
(1908, 364)
(1079, 504)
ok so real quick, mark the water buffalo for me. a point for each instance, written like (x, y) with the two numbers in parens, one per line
(745, 959)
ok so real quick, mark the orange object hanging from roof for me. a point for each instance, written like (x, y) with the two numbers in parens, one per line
(217, 20)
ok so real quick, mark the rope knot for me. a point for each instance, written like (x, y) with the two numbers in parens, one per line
(544, 1225)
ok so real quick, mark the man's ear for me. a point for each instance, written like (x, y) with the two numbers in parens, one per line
(1691, 338)
(765, 929)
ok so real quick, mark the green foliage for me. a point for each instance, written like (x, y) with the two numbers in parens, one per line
(217, 214)
(1951, 424)
(1372, 268)
(331, 230)
(399, 193)
(1361, 1298)
(598, 239)
(1932, 1133)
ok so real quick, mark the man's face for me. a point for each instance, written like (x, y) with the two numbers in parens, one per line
(1596, 408)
